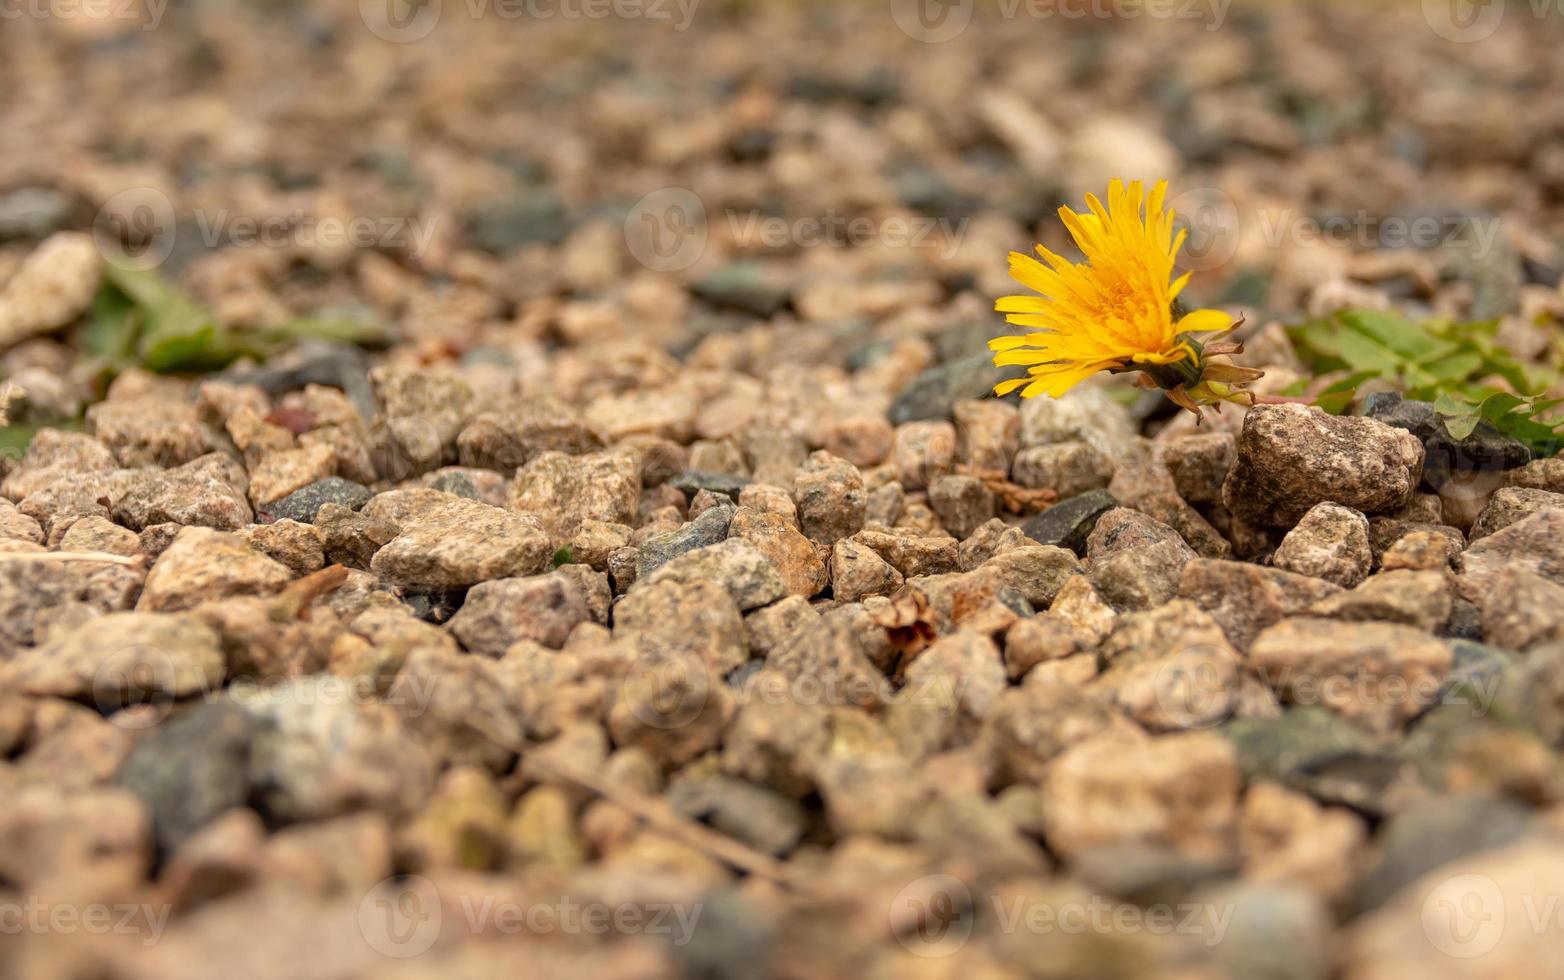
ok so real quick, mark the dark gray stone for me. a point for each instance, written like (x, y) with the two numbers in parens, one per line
(1437, 832)
(33, 212)
(711, 527)
(1320, 754)
(1484, 449)
(536, 217)
(304, 504)
(744, 287)
(191, 770)
(1069, 523)
(691, 482)
(457, 484)
(760, 817)
(934, 393)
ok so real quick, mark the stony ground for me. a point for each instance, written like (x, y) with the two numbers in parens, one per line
(659, 594)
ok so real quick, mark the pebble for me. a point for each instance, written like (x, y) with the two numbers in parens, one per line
(1069, 469)
(562, 491)
(203, 564)
(304, 504)
(1511, 504)
(1069, 523)
(1135, 562)
(1292, 457)
(1331, 542)
(962, 503)
(831, 499)
(499, 612)
(795, 558)
(460, 543)
(737, 565)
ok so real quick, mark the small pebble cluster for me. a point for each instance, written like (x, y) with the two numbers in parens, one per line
(616, 622)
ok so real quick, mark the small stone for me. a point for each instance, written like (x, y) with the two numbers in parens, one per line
(191, 769)
(1535, 544)
(1420, 599)
(988, 434)
(1177, 790)
(303, 504)
(1521, 610)
(1292, 457)
(148, 430)
(1285, 837)
(691, 482)
(1244, 599)
(54, 285)
(709, 528)
(1509, 505)
(1426, 551)
(831, 499)
(1539, 474)
(185, 495)
(459, 827)
(858, 571)
(54, 454)
(671, 706)
(1037, 573)
(1134, 561)
(507, 440)
(1199, 464)
(1079, 604)
(99, 534)
(203, 564)
(913, 555)
(562, 491)
(594, 541)
(962, 503)
(460, 543)
(1379, 675)
(696, 617)
(924, 451)
(738, 566)
(1435, 833)
(767, 627)
(862, 440)
(349, 538)
(756, 815)
(1038, 640)
(1170, 668)
(123, 658)
(33, 212)
(1085, 414)
(542, 831)
(935, 393)
(279, 474)
(1031, 725)
(779, 540)
(301, 547)
(769, 499)
(1331, 542)
(1069, 523)
(541, 609)
(1067, 468)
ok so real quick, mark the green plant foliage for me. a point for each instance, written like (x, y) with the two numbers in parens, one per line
(1459, 367)
(139, 318)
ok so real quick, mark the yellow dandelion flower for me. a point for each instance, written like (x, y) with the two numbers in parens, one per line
(1115, 311)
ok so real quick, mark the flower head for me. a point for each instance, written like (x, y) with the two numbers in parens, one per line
(1116, 310)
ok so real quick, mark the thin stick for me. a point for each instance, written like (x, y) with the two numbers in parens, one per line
(97, 556)
(660, 815)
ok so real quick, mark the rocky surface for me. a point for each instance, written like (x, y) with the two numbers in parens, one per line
(563, 605)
